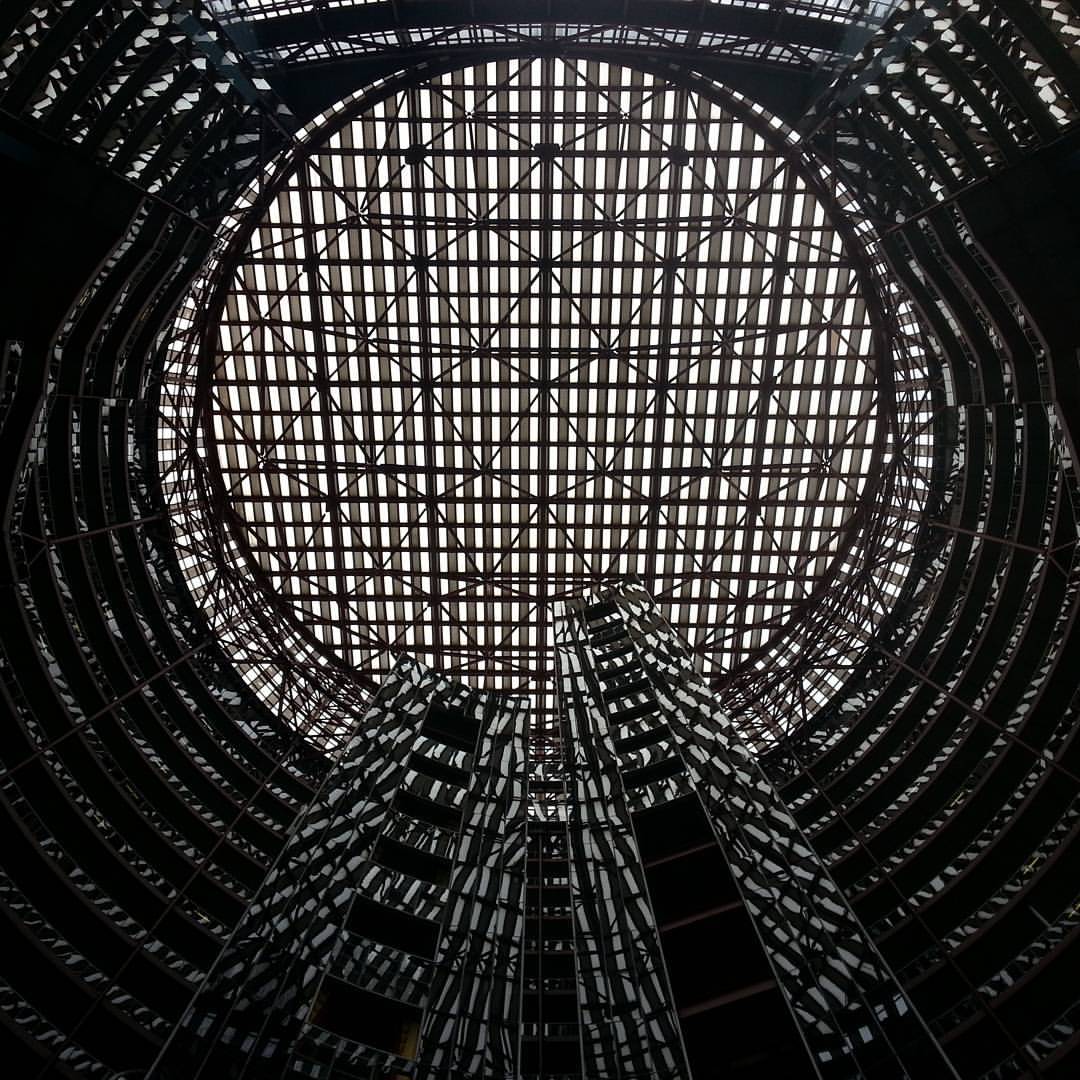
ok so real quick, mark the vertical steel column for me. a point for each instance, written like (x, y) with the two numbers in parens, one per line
(472, 1027)
(629, 1027)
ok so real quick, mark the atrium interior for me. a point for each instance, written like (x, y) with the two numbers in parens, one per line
(347, 336)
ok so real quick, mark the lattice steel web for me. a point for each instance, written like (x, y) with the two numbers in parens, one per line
(523, 327)
(846, 11)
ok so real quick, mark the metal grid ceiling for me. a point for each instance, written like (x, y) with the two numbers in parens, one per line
(845, 11)
(527, 326)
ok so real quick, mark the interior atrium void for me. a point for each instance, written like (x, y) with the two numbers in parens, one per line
(335, 334)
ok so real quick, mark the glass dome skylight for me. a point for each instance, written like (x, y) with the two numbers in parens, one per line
(519, 328)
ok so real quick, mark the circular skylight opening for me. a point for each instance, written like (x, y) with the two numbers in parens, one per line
(520, 328)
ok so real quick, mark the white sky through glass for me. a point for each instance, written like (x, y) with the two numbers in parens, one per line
(531, 325)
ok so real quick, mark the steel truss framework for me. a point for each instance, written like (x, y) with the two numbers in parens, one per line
(145, 789)
(497, 335)
(808, 35)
